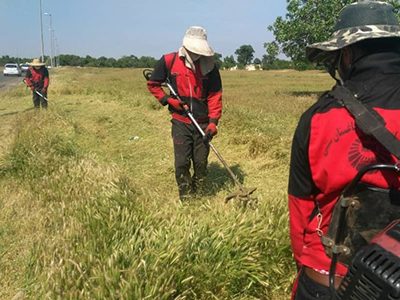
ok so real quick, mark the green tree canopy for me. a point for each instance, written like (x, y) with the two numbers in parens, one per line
(257, 61)
(130, 61)
(307, 22)
(229, 62)
(272, 50)
(146, 62)
(245, 55)
(127, 61)
(218, 59)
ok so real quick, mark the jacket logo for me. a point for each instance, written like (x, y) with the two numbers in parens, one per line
(365, 151)
(339, 133)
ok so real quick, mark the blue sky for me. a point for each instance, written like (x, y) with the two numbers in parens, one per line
(114, 28)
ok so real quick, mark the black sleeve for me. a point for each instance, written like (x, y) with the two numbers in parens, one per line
(28, 74)
(46, 73)
(160, 72)
(214, 81)
(301, 184)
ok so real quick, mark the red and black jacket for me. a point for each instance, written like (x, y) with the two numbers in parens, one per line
(39, 79)
(202, 93)
(328, 150)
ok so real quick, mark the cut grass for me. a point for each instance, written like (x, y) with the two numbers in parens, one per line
(89, 202)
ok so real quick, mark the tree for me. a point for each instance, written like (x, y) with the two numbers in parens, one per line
(89, 61)
(257, 61)
(245, 55)
(70, 60)
(108, 62)
(146, 62)
(307, 22)
(127, 61)
(102, 61)
(272, 50)
(7, 59)
(229, 62)
(218, 61)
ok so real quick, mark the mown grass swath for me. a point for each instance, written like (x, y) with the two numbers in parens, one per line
(89, 203)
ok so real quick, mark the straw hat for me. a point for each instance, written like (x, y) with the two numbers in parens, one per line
(195, 40)
(365, 19)
(36, 63)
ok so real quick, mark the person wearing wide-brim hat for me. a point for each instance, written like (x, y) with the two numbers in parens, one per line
(195, 77)
(329, 148)
(37, 78)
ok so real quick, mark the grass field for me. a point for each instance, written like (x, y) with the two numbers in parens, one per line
(88, 201)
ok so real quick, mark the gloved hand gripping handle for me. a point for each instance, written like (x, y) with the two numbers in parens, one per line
(36, 91)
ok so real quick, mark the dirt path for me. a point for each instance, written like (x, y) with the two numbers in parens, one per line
(8, 81)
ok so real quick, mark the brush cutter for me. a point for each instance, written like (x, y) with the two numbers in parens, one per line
(243, 194)
(38, 93)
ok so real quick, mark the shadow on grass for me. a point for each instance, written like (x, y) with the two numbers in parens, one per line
(219, 179)
(306, 93)
(16, 112)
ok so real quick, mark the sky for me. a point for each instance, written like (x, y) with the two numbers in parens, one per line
(114, 28)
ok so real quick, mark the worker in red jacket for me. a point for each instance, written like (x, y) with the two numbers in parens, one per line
(37, 78)
(195, 77)
(329, 149)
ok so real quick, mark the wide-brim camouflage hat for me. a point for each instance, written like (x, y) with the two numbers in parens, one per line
(357, 22)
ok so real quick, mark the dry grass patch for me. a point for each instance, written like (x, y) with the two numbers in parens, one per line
(89, 191)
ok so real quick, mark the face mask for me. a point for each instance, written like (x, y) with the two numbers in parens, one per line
(345, 66)
(194, 56)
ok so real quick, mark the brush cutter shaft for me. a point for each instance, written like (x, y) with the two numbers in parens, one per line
(41, 96)
(237, 182)
(190, 115)
(38, 93)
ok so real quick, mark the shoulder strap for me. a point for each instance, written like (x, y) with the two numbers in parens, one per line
(169, 61)
(366, 120)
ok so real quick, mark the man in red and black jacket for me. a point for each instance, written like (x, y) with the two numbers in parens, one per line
(328, 148)
(37, 78)
(195, 77)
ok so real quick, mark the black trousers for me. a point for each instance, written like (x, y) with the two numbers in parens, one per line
(189, 147)
(39, 101)
(308, 289)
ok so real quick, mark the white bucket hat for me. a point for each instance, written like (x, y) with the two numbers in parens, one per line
(195, 40)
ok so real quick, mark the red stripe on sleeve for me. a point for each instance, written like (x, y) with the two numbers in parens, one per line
(299, 213)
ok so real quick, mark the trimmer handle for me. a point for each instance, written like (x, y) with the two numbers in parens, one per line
(147, 73)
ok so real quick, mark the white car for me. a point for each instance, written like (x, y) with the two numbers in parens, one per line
(24, 67)
(12, 69)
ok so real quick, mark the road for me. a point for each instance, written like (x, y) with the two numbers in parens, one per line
(7, 81)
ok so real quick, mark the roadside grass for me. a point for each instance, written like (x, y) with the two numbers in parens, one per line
(89, 202)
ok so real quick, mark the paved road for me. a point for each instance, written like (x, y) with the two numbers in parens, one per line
(6, 81)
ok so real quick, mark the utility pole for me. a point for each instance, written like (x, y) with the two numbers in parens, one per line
(41, 29)
(51, 39)
(57, 52)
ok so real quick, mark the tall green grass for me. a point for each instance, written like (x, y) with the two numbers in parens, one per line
(88, 212)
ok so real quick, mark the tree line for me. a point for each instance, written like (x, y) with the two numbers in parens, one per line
(10, 59)
(130, 61)
(244, 57)
(88, 61)
(306, 22)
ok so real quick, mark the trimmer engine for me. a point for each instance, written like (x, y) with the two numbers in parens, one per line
(375, 270)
